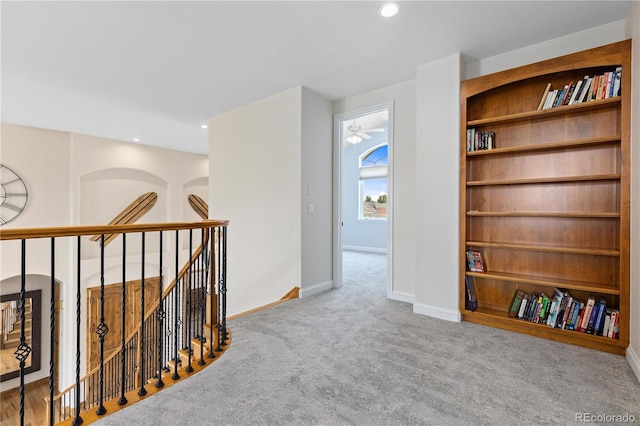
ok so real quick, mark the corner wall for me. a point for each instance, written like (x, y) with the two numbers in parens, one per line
(254, 182)
(437, 181)
(316, 190)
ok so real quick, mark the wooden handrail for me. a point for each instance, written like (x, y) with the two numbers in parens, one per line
(71, 231)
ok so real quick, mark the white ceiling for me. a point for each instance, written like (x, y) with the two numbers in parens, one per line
(157, 70)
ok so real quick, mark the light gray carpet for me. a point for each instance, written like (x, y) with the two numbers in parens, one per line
(350, 356)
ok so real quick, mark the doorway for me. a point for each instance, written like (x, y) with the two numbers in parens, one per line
(363, 200)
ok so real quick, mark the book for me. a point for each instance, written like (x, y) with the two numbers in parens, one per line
(599, 324)
(607, 319)
(550, 99)
(518, 296)
(562, 323)
(577, 315)
(594, 88)
(544, 96)
(561, 96)
(602, 81)
(523, 305)
(617, 82)
(596, 316)
(614, 324)
(544, 309)
(584, 323)
(475, 261)
(592, 318)
(558, 296)
(471, 301)
(568, 94)
(586, 90)
(576, 92)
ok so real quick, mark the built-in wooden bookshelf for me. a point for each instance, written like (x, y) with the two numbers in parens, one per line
(549, 204)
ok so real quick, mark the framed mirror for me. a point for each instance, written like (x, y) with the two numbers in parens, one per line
(10, 329)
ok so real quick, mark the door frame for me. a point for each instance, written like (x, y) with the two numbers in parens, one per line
(337, 190)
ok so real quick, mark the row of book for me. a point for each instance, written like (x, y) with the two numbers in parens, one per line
(562, 310)
(590, 88)
(480, 141)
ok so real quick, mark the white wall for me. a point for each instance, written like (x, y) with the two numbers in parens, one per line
(633, 32)
(255, 162)
(68, 176)
(403, 96)
(582, 40)
(316, 190)
(437, 182)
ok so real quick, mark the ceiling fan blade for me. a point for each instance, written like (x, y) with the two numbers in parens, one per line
(363, 135)
(372, 130)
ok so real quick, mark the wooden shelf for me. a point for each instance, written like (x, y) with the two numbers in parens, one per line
(577, 143)
(502, 320)
(549, 207)
(604, 215)
(547, 282)
(559, 179)
(576, 108)
(546, 248)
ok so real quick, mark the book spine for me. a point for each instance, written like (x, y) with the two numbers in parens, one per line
(602, 310)
(523, 305)
(587, 315)
(576, 93)
(544, 96)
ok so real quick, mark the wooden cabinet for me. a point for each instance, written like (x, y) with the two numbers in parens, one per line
(549, 205)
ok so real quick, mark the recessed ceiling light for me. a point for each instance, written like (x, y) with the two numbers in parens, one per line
(204, 126)
(388, 10)
(136, 139)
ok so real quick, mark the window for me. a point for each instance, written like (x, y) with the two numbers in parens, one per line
(373, 183)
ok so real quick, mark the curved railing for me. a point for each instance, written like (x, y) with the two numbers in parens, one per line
(186, 322)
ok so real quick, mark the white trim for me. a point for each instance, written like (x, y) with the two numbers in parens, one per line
(634, 361)
(365, 249)
(403, 297)
(436, 312)
(315, 289)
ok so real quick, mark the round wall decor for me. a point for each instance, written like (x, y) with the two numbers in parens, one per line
(13, 195)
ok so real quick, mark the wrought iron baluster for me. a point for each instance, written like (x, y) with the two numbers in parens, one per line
(142, 391)
(219, 297)
(52, 336)
(225, 336)
(176, 376)
(123, 350)
(189, 303)
(202, 297)
(23, 350)
(101, 331)
(160, 318)
(210, 281)
(78, 419)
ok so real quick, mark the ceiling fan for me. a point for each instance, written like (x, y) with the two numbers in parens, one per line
(356, 134)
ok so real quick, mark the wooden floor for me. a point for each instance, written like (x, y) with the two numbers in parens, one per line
(34, 405)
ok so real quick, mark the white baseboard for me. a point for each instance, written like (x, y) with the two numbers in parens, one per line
(634, 361)
(402, 297)
(315, 289)
(436, 312)
(367, 249)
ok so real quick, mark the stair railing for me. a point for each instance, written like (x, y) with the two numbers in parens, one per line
(195, 301)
